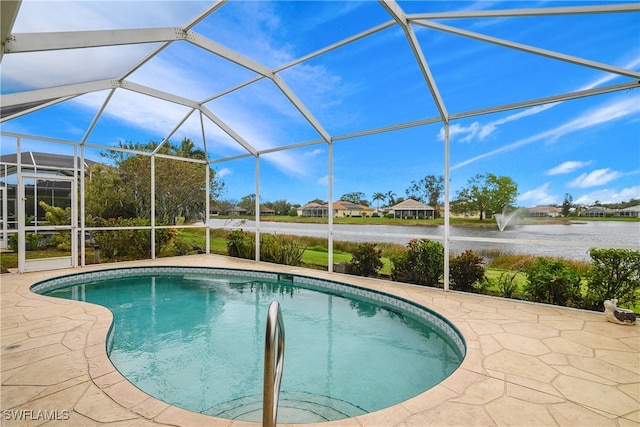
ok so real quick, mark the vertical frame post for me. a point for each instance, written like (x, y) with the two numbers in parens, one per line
(446, 205)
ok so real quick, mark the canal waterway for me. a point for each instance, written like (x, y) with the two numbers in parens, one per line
(568, 240)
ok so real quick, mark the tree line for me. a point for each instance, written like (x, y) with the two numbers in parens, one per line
(123, 189)
(484, 193)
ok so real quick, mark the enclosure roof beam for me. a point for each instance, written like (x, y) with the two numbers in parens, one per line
(97, 117)
(12, 99)
(18, 110)
(173, 131)
(531, 49)
(217, 4)
(16, 103)
(43, 97)
(293, 98)
(228, 159)
(36, 42)
(398, 14)
(303, 59)
(228, 130)
(548, 100)
(8, 12)
(508, 13)
(208, 11)
(336, 45)
(292, 146)
(229, 54)
(159, 94)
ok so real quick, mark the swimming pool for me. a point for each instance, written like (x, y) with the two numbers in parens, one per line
(194, 337)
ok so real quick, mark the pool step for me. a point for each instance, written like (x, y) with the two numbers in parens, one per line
(294, 407)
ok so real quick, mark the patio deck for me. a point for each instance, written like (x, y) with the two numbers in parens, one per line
(526, 365)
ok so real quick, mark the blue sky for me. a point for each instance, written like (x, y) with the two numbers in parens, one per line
(589, 147)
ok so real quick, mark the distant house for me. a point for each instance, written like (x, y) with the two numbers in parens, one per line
(227, 209)
(348, 209)
(237, 210)
(544, 211)
(412, 209)
(597, 212)
(630, 212)
(266, 211)
(340, 209)
(313, 210)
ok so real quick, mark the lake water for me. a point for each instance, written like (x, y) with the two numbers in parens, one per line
(571, 240)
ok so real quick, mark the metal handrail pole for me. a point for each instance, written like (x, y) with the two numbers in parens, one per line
(273, 365)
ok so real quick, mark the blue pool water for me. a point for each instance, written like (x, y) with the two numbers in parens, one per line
(195, 338)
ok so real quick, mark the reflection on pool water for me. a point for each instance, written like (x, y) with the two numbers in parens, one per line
(195, 338)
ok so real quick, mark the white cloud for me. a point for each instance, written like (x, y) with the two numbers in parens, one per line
(538, 196)
(630, 65)
(609, 196)
(567, 167)
(480, 131)
(476, 129)
(37, 15)
(456, 130)
(313, 153)
(221, 173)
(603, 113)
(25, 70)
(595, 178)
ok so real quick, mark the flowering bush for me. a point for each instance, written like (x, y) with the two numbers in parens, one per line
(422, 263)
(466, 271)
(552, 281)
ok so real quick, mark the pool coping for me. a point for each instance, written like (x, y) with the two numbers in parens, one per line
(526, 364)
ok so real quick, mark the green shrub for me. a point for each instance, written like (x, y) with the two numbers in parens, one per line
(241, 244)
(33, 241)
(129, 243)
(422, 263)
(615, 273)
(366, 260)
(507, 286)
(60, 241)
(280, 250)
(273, 248)
(466, 271)
(183, 247)
(552, 281)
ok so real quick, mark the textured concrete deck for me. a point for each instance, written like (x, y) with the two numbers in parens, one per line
(526, 365)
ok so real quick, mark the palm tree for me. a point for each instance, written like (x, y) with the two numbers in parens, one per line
(391, 198)
(188, 149)
(377, 197)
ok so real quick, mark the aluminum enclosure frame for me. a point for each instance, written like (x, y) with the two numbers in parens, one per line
(18, 104)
